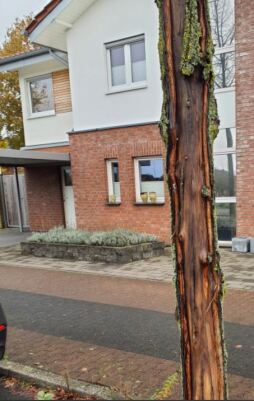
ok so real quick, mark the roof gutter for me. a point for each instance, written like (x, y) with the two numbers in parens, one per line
(58, 58)
(24, 56)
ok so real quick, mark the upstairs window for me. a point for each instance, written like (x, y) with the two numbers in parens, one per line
(114, 194)
(41, 99)
(149, 180)
(126, 64)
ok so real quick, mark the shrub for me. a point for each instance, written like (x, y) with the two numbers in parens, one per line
(115, 238)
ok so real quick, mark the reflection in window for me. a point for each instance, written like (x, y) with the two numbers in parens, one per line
(223, 22)
(224, 68)
(225, 175)
(150, 180)
(41, 93)
(225, 140)
(226, 221)
(113, 181)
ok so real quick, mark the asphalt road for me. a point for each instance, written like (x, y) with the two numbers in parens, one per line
(129, 329)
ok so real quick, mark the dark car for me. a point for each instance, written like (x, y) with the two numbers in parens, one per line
(3, 332)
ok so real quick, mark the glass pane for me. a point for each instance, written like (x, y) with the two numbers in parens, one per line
(225, 140)
(226, 108)
(118, 65)
(226, 221)
(223, 22)
(225, 175)
(115, 178)
(151, 176)
(41, 95)
(138, 61)
(224, 68)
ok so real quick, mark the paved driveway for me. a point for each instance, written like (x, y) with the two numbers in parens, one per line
(12, 236)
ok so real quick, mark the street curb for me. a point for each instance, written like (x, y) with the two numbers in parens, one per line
(42, 378)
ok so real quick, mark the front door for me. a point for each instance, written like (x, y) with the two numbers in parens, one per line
(68, 197)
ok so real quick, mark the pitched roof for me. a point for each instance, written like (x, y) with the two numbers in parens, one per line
(42, 15)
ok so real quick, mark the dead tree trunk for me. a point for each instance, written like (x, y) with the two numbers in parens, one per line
(189, 124)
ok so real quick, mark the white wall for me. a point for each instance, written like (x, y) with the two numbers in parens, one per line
(43, 130)
(104, 22)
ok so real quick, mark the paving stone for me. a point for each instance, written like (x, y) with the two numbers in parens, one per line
(135, 375)
(238, 268)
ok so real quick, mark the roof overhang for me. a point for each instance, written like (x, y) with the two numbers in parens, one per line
(15, 63)
(49, 27)
(28, 158)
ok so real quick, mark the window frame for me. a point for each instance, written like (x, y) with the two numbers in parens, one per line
(160, 200)
(30, 105)
(129, 85)
(109, 164)
(226, 199)
(225, 152)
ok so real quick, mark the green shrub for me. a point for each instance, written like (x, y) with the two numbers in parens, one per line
(116, 238)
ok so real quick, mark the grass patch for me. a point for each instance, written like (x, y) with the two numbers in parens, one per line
(116, 238)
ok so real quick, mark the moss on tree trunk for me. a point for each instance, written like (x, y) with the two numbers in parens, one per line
(189, 124)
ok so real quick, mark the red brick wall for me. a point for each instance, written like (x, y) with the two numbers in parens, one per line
(89, 152)
(56, 149)
(44, 195)
(245, 116)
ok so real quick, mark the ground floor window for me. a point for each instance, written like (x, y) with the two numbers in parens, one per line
(226, 221)
(225, 183)
(114, 192)
(149, 180)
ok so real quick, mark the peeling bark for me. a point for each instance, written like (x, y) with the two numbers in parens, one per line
(189, 121)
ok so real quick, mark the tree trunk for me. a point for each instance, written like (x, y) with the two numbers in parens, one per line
(189, 124)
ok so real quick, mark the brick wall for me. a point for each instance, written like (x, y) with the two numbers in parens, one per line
(89, 152)
(245, 116)
(56, 149)
(44, 196)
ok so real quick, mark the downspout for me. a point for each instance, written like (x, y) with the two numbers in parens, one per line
(58, 58)
(21, 228)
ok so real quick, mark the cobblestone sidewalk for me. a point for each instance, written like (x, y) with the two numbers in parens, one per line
(238, 268)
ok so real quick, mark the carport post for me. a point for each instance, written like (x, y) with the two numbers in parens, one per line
(19, 200)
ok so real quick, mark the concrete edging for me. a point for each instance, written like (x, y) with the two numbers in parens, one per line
(51, 380)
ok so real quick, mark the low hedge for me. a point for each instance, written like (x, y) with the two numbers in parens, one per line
(115, 238)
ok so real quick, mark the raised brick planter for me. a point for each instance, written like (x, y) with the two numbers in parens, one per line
(94, 253)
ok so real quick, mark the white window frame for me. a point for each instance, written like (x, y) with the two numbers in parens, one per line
(129, 85)
(30, 107)
(225, 199)
(138, 181)
(109, 164)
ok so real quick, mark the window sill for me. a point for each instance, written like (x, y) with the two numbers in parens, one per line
(41, 115)
(113, 203)
(149, 203)
(126, 89)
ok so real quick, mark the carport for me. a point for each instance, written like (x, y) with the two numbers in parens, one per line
(26, 158)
